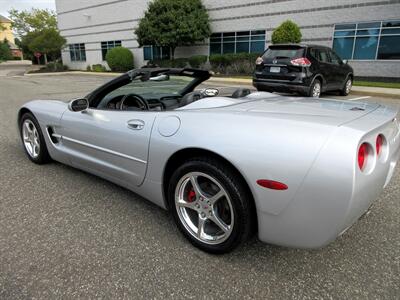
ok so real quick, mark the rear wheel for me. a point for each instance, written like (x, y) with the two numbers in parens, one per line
(210, 205)
(315, 89)
(33, 140)
(347, 87)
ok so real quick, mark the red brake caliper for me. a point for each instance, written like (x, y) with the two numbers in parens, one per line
(191, 195)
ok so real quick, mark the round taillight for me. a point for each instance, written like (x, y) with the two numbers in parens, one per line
(362, 156)
(379, 144)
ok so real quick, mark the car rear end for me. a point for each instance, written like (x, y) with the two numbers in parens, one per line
(283, 68)
(348, 175)
(377, 156)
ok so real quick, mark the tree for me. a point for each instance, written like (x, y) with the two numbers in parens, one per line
(47, 41)
(36, 19)
(5, 52)
(173, 23)
(37, 29)
(287, 32)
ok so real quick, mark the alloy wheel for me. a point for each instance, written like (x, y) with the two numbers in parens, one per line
(349, 84)
(31, 139)
(204, 208)
(316, 92)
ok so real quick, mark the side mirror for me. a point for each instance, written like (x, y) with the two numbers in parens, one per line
(80, 104)
(345, 61)
(210, 92)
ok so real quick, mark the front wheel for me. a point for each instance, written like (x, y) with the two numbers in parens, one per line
(33, 140)
(210, 205)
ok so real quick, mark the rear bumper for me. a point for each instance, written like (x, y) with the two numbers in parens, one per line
(280, 86)
(329, 202)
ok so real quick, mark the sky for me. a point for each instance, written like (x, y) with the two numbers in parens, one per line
(6, 5)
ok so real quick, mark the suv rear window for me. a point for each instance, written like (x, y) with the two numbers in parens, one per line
(283, 53)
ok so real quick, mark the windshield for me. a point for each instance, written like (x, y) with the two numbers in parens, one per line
(170, 87)
(152, 88)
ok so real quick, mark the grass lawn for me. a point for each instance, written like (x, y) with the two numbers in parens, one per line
(393, 85)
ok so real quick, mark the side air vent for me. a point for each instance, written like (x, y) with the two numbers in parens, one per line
(53, 137)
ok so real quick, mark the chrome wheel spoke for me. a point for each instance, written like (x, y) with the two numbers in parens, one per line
(200, 227)
(216, 197)
(27, 128)
(221, 224)
(185, 204)
(196, 187)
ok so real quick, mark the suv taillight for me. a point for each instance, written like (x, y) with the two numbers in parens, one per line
(301, 62)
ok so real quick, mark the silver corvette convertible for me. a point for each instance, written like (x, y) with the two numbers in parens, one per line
(296, 171)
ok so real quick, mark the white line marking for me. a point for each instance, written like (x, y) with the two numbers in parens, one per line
(359, 98)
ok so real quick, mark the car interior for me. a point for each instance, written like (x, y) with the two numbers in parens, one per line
(167, 90)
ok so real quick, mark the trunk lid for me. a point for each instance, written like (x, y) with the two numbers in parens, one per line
(323, 111)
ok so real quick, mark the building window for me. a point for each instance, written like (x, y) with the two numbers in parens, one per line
(77, 52)
(368, 41)
(237, 42)
(105, 46)
(156, 53)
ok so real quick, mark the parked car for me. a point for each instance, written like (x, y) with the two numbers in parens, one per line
(305, 69)
(298, 171)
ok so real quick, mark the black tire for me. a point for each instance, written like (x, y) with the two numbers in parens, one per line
(242, 203)
(345, 91)
(312, 87)
(43, 154)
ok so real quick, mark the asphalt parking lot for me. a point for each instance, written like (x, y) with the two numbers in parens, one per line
(65, 233)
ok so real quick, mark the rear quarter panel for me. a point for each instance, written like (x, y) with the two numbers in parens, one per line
(259, 147)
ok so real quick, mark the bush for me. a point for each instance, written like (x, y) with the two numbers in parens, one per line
(120, 59)
(197, 60)
(55, 67)
(287, 32)
(98, 68)
(239, 63)
(88, 68)
(167, 63)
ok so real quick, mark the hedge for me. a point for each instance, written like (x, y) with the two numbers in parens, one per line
(239, 63)
(232, 64)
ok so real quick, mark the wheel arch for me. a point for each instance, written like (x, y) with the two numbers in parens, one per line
(320, 78)
(21, 112)
(182, 155)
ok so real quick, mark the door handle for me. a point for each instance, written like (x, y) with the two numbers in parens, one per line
(136, 124)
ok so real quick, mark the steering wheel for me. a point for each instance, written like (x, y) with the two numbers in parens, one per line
(142, 104)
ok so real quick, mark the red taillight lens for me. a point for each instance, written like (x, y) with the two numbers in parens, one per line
(379, 144)
(301, 62)
(259, 61)
(362, 156)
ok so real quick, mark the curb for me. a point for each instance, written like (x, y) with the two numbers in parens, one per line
(375, 94)
(74, 73)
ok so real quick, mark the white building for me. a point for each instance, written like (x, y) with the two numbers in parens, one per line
(366, 32)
